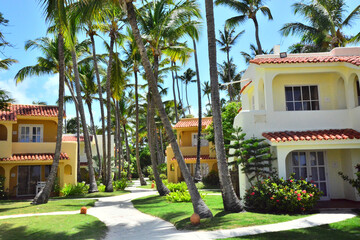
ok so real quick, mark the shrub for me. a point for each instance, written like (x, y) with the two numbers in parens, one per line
(274, 195)
(178, 196)
(177, 187)
(3, 194)
(74, 190)
(120, 184)
(162, 168)
(163, 176)
(101, 187)
(212, 178)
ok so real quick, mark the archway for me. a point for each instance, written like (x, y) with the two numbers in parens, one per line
(3, 133)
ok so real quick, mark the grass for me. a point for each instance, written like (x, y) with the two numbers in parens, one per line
(179, 214)
(348, 229)
(62, 227)
(97, 195)
(8, 207)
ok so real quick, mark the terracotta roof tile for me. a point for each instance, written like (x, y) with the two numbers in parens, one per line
(73, 138)
(317, 135)
(194, 157)
(193, 122)
(15, 110)
(318, 59)
(34, 156)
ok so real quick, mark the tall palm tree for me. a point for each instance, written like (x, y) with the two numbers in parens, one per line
(55, 12)
(5, 99)
(229, 68)
(253, 52)
(226, 41)
(198, 204)
(5, 63)
(247, 10)
(187, 78)
(207, 91)
(230, 200)
(326, 22)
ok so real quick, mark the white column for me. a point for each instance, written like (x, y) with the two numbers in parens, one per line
(281, 159)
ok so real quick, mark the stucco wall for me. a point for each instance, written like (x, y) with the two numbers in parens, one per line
(50, 129)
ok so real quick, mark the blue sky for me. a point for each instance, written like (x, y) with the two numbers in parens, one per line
(26, 22)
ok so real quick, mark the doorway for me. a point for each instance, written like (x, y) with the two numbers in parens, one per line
(28, 176)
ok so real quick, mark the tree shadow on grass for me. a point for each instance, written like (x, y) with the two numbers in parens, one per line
(95, 230)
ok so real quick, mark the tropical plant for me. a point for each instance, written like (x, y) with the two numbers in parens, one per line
(227, 70)
(4, 63)
(253, 53)
(187, 78)
(4, 100)
(247, 9)
(230, 200)
(324, 31)
(354, 182)
(78, 189)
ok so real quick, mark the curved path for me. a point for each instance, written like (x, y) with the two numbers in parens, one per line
(125, 222)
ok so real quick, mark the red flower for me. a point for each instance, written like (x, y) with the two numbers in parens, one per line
(304, 191)
(299, 198)
(311, 195)
(277, 200)
(312, 181)
(314, 185)
(285, 197)
(295, 192)
(299, 195)
(302, 209)
(291, 180)
(272, 198)
(252, 194)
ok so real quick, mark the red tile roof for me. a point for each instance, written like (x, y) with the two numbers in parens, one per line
(34, 156)
(72, 138)
(193, 122)
(318, 59)
(331, 134)
(83, 163)
(28, 110)
(194, 157)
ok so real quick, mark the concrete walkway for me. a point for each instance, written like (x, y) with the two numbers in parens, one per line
(125, 222)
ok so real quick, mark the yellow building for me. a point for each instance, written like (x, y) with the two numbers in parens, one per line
(308, 108)
(27, 146)
(186, 130)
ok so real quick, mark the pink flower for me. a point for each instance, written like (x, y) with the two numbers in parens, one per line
(252, 194)
(291, 180)
(304, 191)
(299, 195)
(314, 185)
(277, 200)
(295, 192)
(299, 198)
(311, 195)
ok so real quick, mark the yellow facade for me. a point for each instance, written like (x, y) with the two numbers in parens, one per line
(188, 150)
(10, 145)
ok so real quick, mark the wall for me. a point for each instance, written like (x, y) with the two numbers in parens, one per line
(50, 129)
(5, 146)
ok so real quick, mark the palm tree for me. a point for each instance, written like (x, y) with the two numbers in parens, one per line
(55, 12)
(326, 22)
(187, 78)
(5, 99)
(5, 63)
(198, 204)
(228, 71)
(248, 10)
(253, 53)
(227, 40)
(207, 91)
(230, 200)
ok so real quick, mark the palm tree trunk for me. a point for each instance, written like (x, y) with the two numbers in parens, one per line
(161, 147)
(101, 100)
(257, 35)
(109, 186)
(116, 141)
(198, 204)
(94, 131)
(43, 196)
(229, 77)
(141, 177)
(127, 151)
(119, 139)
(174, 92)
(230, 200)
(178, 89)
(197, 177)
(187, 100)
(92, 181)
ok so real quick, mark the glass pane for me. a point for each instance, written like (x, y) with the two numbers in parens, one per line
(38, 130)
(306, 93)
(315, 105)
(23, 176)
(22, 130)
(313, 158)
(34, 130)
(295, 159)
(33, 138)
(302, 159)
(314, 93)
(27, 130)
(322, 173)
(38, 139)
(296, 171)
(314, 174)
(306, 106)
(298, 106)
(47, 171)
(323, 188)
(288, 94)
(321, 158)
(289, 106)
(303, 173)
(297, 94)
(27, 139)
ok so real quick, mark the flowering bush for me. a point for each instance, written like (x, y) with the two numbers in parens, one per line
(282, 196)
(74, 190)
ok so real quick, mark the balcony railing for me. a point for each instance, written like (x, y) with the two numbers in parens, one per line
(31, 147)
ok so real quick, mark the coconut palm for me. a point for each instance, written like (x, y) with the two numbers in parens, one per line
(229, 68)
(230, 200)
(198, 204)
(5, 99)
(227, 40)
(5, 63)
(253, 52)
(247, 10)
(187, 78)
(326, 22)
(207, 91)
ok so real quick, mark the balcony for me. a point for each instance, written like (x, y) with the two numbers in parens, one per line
(31, 147)
(191, 151)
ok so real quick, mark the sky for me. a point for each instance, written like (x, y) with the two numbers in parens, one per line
(27, 22)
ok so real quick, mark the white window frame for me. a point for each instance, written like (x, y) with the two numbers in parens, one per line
(302, 101)
(31, 126)
(203, 141)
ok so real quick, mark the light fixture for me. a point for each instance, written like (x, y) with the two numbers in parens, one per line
(283, 55)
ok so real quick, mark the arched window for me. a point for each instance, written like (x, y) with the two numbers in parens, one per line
(3, 133)
(68, 170)
(357, 87)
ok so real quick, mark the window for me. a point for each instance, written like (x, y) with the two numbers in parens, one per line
(30, 133)
(203, 141)
(358, 92)
(302, 98)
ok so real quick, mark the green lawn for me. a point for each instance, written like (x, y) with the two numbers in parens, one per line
(96, 195)
(79, 227)
(179, 214)
(22, 207)
(348, 229)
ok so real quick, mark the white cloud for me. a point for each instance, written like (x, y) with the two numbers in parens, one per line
(51, 86)
(17, 92)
